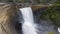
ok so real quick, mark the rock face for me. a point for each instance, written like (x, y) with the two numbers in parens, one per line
(38, 7)
(44, 26)
(9, 21)
(8, 14)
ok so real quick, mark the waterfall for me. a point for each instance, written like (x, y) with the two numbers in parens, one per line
(59, 29)
(28, 26)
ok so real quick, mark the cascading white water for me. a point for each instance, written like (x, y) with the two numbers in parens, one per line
(28, 26)
(59, 29)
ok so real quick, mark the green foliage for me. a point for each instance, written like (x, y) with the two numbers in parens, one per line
(43, 1)
(21, 0)
(58, 1)
(50, 33)
(52, 13)
(36, 1)
(17, 1)
(10, 0)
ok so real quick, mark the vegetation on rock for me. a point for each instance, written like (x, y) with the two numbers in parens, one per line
(52, 13)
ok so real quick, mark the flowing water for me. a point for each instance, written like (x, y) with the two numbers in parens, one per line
(59, 29)
(28, 27)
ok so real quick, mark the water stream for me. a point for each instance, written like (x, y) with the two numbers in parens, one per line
(28, 27)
